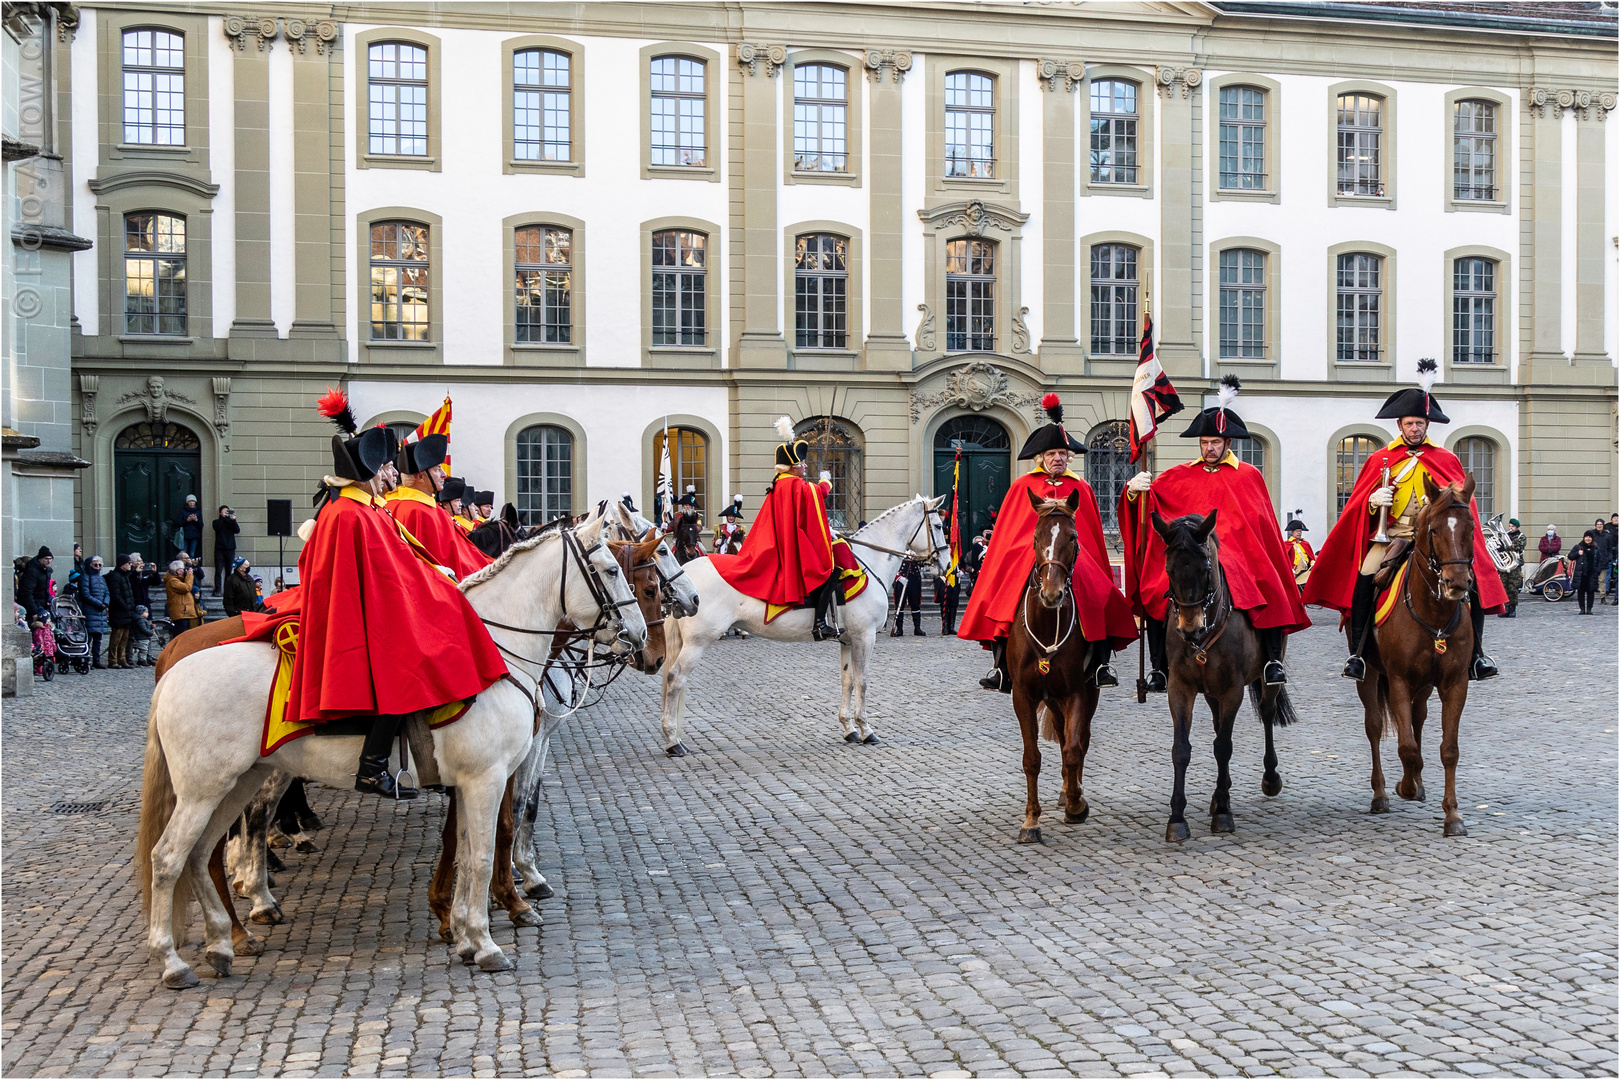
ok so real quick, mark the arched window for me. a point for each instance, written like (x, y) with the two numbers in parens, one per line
(1109, 466)
(1353, 452)
(1251, 451)
(154, 274)
(836, 448)
(970, 296)
(545, 474)
(148, 436)
(1478, 456)
(154, 87)
(970, 125)
(397, 98)
(402, 429)
(688, 461)
(971, 433)
(821, 291)
(399, 281)
(541, 104)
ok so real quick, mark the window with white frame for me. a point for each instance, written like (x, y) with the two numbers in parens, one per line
(154, 65)
(1243, 304)
(970, 125)
(678, 107)
(397, 97)
(970, 296)
(1478, 457)
(542, 100)
(1251, 451)
(1474, 151)
(1360, 292)
(545, 474)
(154, 274)
(1114, 285)
(1243, 138)
(821, 291)
(1361, 144)
(1114, 120)
(679, 287)
(399, 281)
(820, 115)
(1473, 311)
(544, 281)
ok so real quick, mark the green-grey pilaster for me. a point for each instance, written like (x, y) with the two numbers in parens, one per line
(1545, 361)
(761, 343)
(886, 346)
(1590, 356)
(1060, 352)
(313, 178)
(252, 77)
(1177, 351)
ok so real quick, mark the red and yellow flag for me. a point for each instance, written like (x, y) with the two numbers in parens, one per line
(437, 424)
(956, 518)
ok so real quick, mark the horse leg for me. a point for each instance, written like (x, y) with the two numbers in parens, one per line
(1420, 713)
(861, 659)
(1220, 817)
(502, 887)
(1076, 741)
(442, 888)
(480, 798)
(845, 690)
(1271, 782)
(255, 849)
(1024, 706)
(677, 672)
(1400, 710)
(1181, 707)
(1453, 696)
(1374, 694)
(170, 856)
(242, 942)
(525, 809)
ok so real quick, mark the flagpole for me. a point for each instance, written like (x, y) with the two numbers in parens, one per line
(1141, 510)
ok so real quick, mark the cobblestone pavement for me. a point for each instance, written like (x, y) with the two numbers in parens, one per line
(781, 903)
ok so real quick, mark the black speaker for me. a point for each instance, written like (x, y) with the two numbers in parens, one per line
(278, 512)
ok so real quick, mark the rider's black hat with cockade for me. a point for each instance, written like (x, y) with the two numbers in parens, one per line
(1219, 421)
(793, 450)
(453, 488)
(733, 511)
(362, 453)
(483, 498)
(689, 498)
(1416, 400)
(423, 454)
(629, 503)
(1295, 523)
(1050, 436)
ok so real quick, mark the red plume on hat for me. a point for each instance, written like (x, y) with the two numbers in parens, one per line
(1053, 405)
(334, 405)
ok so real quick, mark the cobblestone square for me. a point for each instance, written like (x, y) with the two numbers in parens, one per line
(781, 903)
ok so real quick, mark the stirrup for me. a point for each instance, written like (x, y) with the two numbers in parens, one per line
(1157, 681)
(1355, 668)
(1273, 674)
(995, 680)
(1104, 676)
(1482, 668)
(825, 631)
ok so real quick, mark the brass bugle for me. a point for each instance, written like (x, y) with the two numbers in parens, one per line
(1382, 535)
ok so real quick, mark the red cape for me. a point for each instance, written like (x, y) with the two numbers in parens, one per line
(1004, 574)
(1259, 570)
(788, 552)
(437, 531)
(381, 630)
(1333, 578)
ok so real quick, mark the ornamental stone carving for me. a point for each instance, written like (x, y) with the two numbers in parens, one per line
(88, 385)
(1020, 332)
(751, 56)
(976, 386)
(924, 337)
(974, 217)
(1065, 73)
(1167, 77)
(155, 399)
(896, 62)
(222, 405)
(299, 33)
(240, 29)
(1586, 104)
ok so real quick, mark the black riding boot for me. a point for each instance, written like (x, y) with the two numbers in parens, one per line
(916, 623)
(823, 596)
(998, 678)
(1157, 679)
(1361, 611)
(1271, 644)
(373, 775)
(1097, 656)
(1482, 667)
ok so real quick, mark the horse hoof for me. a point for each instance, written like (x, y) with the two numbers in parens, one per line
(466, 952)
(304, 847)
(541, 891)
(525, 917)
(1422, 796)
(273, 863)
(1456, 828)
(1075, 819)
(182, 978)
(220, 962)
(279, 840)
(309, 823)
(1221, 823)
(1380, 805)
(269, 916)
(1176, 832)
(678, 750)
(247, 945)
(493, 961)
(871, 740)
(446, 936)
(852, 738)
(1029, 836)
(1271, 785)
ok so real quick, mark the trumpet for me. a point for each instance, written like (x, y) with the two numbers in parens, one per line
(1382, 535)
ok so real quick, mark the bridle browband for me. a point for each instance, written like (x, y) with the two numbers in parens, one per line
(1217, 615)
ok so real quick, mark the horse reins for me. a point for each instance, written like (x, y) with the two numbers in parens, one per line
(1221, 617)
(1045, 662)
(1435, 566)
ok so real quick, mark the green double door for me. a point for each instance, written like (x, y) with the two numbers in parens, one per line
(986, 469)
(150, 489)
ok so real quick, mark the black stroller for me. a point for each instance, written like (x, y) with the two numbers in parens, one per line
(72, 636)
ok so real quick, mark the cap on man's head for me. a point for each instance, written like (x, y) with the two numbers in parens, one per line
(44, 552)
(1513, 521)
(191, 498)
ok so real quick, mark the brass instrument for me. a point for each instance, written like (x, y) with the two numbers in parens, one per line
(1382, 535)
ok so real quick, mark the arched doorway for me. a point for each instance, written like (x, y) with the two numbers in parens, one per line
(155, 466)
(986, 453)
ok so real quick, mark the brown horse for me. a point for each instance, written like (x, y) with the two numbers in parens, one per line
(1214, 652)
(1052, 686)
(1425, 644)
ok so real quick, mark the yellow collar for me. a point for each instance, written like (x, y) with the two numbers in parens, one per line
(1399, 441)
(1051, 479)
(407, 494)
(1230, 459)
(359, 495)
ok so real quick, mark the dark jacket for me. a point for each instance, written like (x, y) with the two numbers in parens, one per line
(1550, 545)
(144, 582)
(141, 628)
(121, 599)
(239, 595)
(95, 599)
(1586, 562)
(189, 520)
(225, 530)
(1606, 544)
(34, 588)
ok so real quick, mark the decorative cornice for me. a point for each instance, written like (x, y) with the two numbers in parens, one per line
(298, 32)
(239, 29)
(1070, 73)
(895, 61)
(974, 217)
(751, 55)
(1167, 77)
(159, 177)
(222, 404)
(1586, 104)
(976, 386)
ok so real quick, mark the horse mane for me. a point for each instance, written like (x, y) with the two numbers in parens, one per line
(478, 577)
(891, 510)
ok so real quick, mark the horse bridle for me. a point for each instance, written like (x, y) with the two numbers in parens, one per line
(1216, 615)
(933, 548)
(607, 608)
(1436, 567)
(1067, 596)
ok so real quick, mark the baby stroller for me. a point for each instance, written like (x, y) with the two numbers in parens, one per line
(1551, 580)
(72, 636)
(44, 651)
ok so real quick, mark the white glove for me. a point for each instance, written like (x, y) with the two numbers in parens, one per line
(1384, 496)
(1139, 483)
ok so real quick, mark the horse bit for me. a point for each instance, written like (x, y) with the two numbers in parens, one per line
(1210, 603)
(1436, 566)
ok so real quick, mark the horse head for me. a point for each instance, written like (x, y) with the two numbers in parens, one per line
(931, 541)
(1057, 546)
(608, 591)
(636, 558)
(680, 595)
(1191, 554)
(1444, 536)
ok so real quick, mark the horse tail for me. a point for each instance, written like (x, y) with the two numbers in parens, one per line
(1283, 709)
(1383, 706)
(157, 806)
(1049, 728)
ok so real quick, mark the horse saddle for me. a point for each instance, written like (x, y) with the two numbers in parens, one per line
(1399, 551)
(415, 737)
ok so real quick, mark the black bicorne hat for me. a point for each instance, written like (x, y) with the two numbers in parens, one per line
(793, 450)
(1295, 523)
(689, 498)
(629, 503)
(1050, 436)
(423, 454)
(1416, 400)
(483, 498)
(733, 511)
(1219, 421)
(362, 453)
(453, 488)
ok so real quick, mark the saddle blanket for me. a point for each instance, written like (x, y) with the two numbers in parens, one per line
(853, 585)
(1391, 596)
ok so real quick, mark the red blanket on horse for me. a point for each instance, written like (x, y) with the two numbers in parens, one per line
(1259, 570)
(788, 553)
(441, 536)
(1011, 556)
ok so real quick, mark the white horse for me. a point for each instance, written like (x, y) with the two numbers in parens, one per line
(203, 763)
(912, 528)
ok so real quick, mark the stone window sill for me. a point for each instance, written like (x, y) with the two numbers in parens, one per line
(398, 161)
(1371, 202)
(155, 339)
(1476, 206)
(387, 344)
(546, 168)
(153, 148)
(679, 172)
(804, 176)
(1244, 195)
(1131, 191)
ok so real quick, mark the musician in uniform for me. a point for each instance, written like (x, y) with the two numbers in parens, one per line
(729, 533)
(1299, 551)
(1513, 579)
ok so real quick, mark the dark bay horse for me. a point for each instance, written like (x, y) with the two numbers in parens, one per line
(1214, 652)
(1426, 643)
(1048, 661)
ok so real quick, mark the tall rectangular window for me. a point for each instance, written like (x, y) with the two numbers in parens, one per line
(820, 111)
(970, 125)
(678, 105)
(821, 291)
(970, 296)
(1361, 144)
(1473, 311)
(154, 88)
(1113, 132)
(1243, 138)
(1243, 304)
(399, 281)
(545, 474)
(541, 106)
(1113, 299)
(397, 96)
(679, 280)
(154, 274)
(1352, 453)
(1478, 457)
(545, 285)
(1474, 151)
(1360, 302)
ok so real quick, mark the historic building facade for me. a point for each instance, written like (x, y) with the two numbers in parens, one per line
(898, 225)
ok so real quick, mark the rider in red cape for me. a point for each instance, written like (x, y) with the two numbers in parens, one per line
(415, 505)
(384, 632)
(1005, 570)
(1259, 571)
(1343, 575)
(787, 557)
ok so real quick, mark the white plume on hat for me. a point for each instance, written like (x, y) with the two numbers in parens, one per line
(784, 428)
(690, 488)
(1230, 385)
(736, 500)
(1428, 374)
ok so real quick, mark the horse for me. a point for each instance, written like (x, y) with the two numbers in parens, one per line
(203, 765)
(1214, 652)
(1426, 643)
(1048, 662)
(688, 538)
(912, 528)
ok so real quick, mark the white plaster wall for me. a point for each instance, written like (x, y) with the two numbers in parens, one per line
(83, 71)
(913, 196)
(283, 272)
(222, 170)
(1032, 200)
(613, 417)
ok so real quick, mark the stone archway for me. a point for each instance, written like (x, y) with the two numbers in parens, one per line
(156, 464)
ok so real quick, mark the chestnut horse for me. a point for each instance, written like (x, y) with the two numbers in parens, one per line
(1214, 652)
(1048, 661)
(1426, 643)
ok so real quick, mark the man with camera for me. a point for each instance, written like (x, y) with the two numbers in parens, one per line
(225, 530)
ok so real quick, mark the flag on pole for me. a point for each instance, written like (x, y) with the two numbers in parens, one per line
(664, 494)
(1152, 397)
(437, 424)
(956, 518)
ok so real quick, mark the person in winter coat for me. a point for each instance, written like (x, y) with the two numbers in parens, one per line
(188, 522)
(1585, 570)
(95, 599)
(1551, 544)
(141, 633)
(240, 594)
(182, 605)
(225, 530)
(120, 612)
(34, 585)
